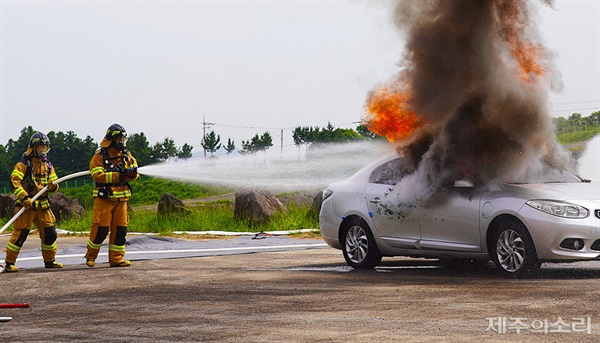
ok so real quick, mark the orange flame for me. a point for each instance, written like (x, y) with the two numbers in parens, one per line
(514, 21)
(526, 54)
(389, 114)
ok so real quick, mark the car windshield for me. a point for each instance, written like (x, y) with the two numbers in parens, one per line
(548, 175)
(392, 171)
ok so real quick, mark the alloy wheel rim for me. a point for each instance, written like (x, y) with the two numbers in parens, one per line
(510, 250)
(356, 244)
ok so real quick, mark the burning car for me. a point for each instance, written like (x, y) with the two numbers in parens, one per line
(554, 217)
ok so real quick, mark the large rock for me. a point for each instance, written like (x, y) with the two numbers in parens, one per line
(7, 205)
(65, 208)
(171, 205)
(256, 206)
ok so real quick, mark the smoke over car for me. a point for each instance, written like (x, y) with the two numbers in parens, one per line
(471, 98)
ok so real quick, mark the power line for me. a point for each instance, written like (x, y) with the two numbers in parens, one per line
(255, 127)
(278, 128)
(574, 102)
(577, 109)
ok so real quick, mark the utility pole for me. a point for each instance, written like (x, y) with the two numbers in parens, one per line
(205, 125)
(281, 156)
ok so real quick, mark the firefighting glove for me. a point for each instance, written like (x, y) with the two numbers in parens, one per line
(52, 187)
(131, 173)
(27, 203)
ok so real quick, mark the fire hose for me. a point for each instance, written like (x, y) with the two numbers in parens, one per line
(7, 319)
(14, 305)
(64, 178)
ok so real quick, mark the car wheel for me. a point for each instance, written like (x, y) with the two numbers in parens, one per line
(514, 252)
(360, 250)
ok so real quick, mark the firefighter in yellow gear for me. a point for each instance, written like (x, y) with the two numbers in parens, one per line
(111, 167)
(29, 176)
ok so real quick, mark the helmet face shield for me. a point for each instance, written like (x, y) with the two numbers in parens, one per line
(119, 143)
(42, 149)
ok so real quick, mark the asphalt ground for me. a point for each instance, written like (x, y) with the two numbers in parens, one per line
(299, 295)
(150, 247)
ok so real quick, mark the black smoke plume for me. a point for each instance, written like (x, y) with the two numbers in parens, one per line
(478, 81)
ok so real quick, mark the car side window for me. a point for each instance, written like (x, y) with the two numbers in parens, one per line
(389, 173)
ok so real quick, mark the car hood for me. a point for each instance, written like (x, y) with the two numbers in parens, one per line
(558, 191)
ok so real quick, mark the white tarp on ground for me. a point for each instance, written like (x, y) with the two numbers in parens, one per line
(155, 247)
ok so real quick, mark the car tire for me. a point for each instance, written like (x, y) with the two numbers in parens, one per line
(514, 252)
(359, 247)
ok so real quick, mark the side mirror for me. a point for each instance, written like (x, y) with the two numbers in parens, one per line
(463, 184)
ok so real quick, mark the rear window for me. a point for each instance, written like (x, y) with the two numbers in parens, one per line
(389, 173)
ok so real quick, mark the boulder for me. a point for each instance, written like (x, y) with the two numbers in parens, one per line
(7, 205)
(171, 205)
(256, 206)
(65, 208)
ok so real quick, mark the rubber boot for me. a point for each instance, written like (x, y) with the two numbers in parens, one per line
(123, 263)
(90, 263)
(53, 264)
(10, 268)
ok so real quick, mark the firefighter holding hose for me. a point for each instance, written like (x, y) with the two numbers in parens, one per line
(111, 167)
(30, 176)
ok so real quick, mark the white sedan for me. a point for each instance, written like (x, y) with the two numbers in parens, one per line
(517, 225)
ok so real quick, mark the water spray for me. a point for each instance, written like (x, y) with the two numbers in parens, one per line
(308, 170)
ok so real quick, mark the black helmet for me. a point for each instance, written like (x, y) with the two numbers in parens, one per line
(115, 131)
(38, 138)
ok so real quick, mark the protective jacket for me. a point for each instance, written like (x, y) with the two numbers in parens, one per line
(111, 169)
(107, 168)
(29, 176)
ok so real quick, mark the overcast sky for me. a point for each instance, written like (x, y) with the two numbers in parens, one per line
(158, 67)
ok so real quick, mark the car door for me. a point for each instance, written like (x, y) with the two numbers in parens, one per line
(453, 223)
(395, 225)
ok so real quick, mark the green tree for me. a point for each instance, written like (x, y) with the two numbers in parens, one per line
(561, 125)
(329, 134)
(158, 153)
(300, 135)
(13, 152)
(593, 119)
(70, 154)
(138, 144)
(363, 131)
(211, 142)
(257, 143)
(266, 141)
(185, 152)
(169, 149)
(230, 147)
(5, 169)
(576, 122)
(15, 149)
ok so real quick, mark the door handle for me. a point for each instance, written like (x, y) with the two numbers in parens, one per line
(375, 200)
